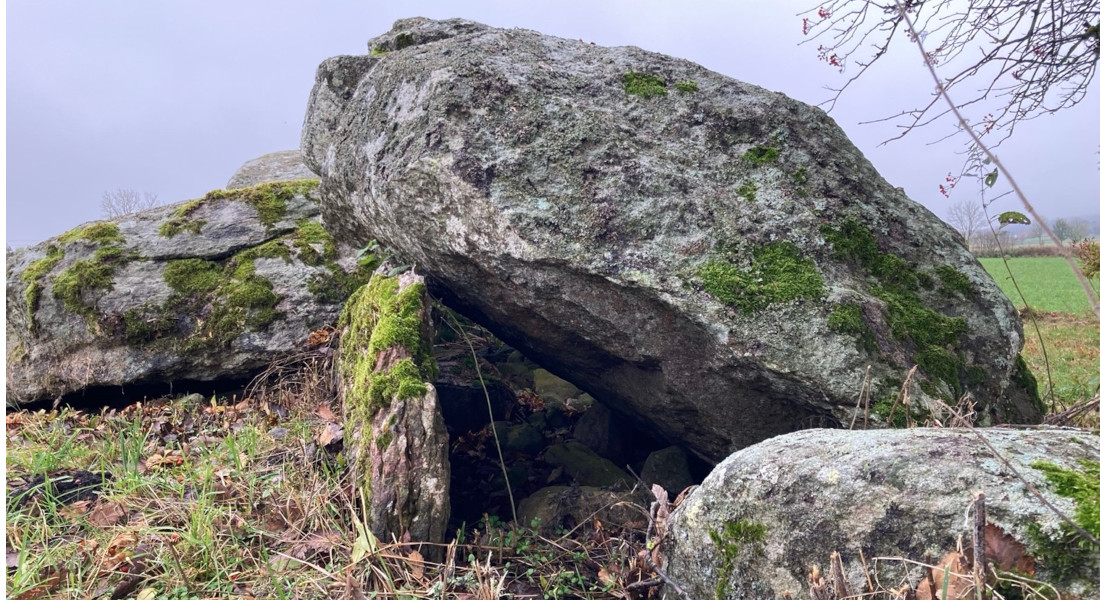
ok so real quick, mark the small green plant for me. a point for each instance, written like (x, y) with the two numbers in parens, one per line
(687, 87)
(728, 543)
(747, 191)
(644, 85)
(761, 155)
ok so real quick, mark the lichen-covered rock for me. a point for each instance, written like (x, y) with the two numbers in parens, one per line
(203, 290)
(713, 259)
(767, 514)
(394, 436)
(286, 165)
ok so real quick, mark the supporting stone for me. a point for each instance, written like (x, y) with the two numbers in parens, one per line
(394, 437)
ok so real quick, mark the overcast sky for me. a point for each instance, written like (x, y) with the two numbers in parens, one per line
(172, 96)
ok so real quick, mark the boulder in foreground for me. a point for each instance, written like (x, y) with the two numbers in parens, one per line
(767, 514)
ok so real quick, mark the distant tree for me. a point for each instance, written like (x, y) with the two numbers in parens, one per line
(1073, 230)
(966, 216)
(125, 201)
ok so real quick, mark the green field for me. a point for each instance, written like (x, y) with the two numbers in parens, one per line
(1069, 333)
(1047, 283)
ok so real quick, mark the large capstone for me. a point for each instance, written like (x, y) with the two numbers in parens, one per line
(887, 501)
(713, 259)
(210, 289)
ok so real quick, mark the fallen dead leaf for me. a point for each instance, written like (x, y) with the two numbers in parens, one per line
(1006, 553)
(325, 412)
(333, 433)
(416, 561)
(107, 514)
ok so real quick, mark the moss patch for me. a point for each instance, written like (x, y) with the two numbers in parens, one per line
(1068, 552)
(103, 232)
(728, 543)
(269, 200)
(778, 274)
(35, 273)
(761, 155)
(953, 281)
(747, 191)
(83, 276)
(192, 275)
(644, 85)
(404, 40)
(848, 319)
(181, 220)
(687, 86)
(932, 334)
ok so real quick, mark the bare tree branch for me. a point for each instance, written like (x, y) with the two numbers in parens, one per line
(1032, 57)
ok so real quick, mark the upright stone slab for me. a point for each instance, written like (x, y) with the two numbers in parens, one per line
(394, 436)
(713, 259)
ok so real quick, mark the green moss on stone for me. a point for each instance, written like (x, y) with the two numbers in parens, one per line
(728, 543)
(953, 281)
(181, 220)
(1067, 552)
(644, 85)
(747, 191)
(403, 40)
(269, 200)
(778, 274)
(687, 86)
(761, 155)
(83, 276)
(35, 273)
(315, 246)
(933, 335)
(379, 318)
(191, 276)
(102, 232)
(848, 319)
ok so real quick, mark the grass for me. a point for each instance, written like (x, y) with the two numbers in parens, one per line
(1069, 370)
(227, 498)
(1047, 283)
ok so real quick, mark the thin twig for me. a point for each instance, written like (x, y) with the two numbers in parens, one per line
(978, 557)
(1027, 483)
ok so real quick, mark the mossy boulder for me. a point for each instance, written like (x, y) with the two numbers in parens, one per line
(214, 288)
(394, 437)
(890, 493)
(721, 265)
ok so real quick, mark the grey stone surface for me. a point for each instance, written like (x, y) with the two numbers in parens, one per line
(122, 323)
(585, 466)
(668, 468)
(889, 493)
(686, 255)
(566, 506)
(604, 432)
(286, 165)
